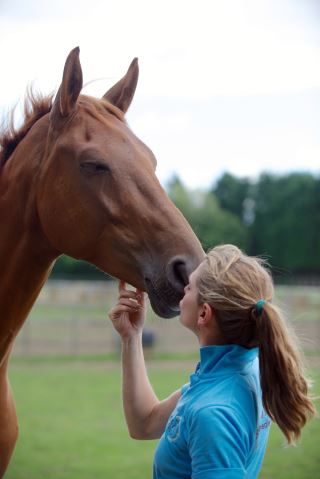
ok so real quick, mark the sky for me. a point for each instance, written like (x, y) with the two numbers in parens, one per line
(230, 85)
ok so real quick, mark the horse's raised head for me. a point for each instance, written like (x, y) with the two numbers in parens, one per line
(99, 198)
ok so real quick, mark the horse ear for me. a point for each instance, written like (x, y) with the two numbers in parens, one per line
(121, 93)
(70, 87)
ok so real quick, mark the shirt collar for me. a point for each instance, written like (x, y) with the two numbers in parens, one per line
(225, 359)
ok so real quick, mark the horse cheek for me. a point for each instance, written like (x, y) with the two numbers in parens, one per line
(67, 222)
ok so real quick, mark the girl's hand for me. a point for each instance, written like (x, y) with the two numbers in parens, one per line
(128, 315)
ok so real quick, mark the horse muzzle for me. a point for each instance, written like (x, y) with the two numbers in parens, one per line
(166, 290)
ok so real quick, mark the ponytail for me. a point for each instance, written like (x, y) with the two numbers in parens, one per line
(285, 390)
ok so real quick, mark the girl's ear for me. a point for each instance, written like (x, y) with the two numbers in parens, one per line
(206, 314)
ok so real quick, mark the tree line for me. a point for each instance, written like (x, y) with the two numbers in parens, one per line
(277, 217)
(274, 216)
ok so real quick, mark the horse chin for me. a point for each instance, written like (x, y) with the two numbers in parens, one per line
(163, 310)
(160, 304)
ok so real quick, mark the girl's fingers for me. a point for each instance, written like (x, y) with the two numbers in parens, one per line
(125, 293)
(140, 296)
(121, 308)
(132, 303)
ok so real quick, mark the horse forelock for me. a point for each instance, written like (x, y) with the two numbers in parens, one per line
(97, 107)
(35, 107)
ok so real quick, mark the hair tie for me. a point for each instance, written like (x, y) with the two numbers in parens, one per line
(259, 306)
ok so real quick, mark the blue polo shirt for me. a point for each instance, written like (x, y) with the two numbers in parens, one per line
(219, 429)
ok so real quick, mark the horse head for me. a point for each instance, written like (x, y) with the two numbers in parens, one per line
(98, 197)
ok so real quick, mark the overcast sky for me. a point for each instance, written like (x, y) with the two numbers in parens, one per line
(228, 85)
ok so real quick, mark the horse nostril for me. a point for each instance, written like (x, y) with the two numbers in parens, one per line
(178, 274)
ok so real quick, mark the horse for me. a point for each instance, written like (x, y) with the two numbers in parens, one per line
(75, 180)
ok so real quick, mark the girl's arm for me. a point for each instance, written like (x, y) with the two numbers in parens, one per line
(146, 416)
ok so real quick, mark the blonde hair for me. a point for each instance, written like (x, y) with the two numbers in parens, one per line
(231, 283)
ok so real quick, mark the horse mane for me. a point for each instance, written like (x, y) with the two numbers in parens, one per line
(35, 107)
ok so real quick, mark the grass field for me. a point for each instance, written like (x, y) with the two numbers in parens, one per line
(70, 409)
(72, 426)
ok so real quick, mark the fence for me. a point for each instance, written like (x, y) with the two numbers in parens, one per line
(70, 318)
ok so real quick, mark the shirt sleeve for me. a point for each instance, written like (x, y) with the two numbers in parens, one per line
(217, 445)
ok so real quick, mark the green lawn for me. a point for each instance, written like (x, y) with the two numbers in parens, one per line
(72, 427)
(58, 312)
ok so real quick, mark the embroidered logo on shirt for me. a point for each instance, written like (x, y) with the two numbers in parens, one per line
(264, 423)
(173, 428)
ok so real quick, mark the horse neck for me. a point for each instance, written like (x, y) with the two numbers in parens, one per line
(25, 254)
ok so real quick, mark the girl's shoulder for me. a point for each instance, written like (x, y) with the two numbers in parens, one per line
(238, 393)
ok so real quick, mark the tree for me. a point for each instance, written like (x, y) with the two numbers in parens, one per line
(231, 193)
(286, 225)
(211, 224)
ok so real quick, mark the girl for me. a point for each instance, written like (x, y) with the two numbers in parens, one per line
(249, 373)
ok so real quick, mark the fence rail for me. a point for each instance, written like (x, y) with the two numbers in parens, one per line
(70, 318)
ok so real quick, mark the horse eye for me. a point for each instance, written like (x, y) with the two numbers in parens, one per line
(94, 167)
